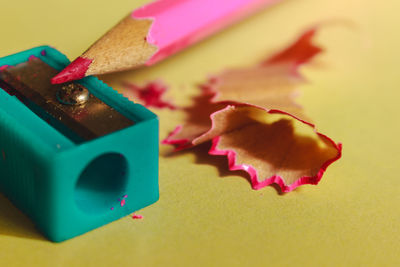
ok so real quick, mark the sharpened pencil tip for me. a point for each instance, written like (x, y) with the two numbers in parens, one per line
(74, 71)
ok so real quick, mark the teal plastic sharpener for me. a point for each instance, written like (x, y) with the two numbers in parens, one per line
(69, 159)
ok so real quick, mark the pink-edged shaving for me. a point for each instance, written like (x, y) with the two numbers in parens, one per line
(251, 117)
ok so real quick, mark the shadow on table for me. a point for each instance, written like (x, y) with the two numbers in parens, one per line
(14, 223)
(219, 162)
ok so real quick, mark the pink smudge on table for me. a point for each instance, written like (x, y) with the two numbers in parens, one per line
(137, 216)
(151, 94)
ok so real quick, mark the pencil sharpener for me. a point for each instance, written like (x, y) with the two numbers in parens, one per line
(74, 156)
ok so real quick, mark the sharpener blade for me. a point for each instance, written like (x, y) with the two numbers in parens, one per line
(30, 82)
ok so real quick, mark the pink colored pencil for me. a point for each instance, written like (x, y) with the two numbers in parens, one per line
(155, 31)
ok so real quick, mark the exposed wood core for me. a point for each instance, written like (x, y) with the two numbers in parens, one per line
(124, 47)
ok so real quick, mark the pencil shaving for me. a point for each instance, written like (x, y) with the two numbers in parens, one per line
(251, 117)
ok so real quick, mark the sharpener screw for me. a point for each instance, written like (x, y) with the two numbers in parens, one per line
(72, 94)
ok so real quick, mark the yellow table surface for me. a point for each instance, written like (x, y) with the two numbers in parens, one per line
(207, 216)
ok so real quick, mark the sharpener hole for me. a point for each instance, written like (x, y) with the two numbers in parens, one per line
(101, 183)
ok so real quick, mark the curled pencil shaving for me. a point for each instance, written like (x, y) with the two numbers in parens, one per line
(251, 117)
